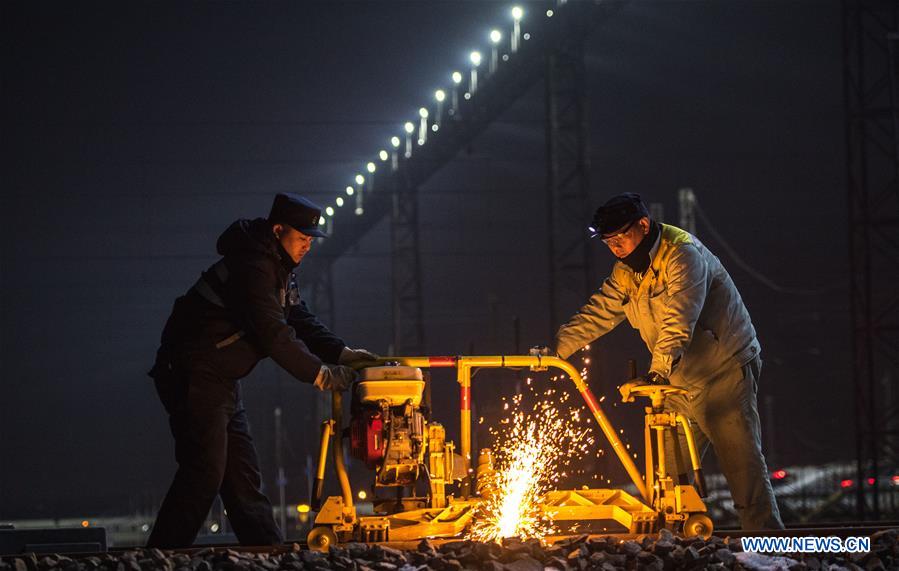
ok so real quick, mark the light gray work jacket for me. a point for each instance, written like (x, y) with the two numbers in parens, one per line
(686, 307)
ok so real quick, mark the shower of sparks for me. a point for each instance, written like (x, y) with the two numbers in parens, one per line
(534, 450)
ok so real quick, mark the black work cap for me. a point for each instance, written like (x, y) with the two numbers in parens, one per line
(616, 213)
(297, 212)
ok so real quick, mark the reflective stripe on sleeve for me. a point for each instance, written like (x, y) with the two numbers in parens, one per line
(229, 340)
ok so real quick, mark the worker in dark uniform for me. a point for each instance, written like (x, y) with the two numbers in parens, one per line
(244, 308)
(688, 311)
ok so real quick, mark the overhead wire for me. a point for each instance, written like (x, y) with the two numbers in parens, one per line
(753, 272)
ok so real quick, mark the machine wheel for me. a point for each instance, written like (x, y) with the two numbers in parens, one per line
(320, 538)
(698, 524)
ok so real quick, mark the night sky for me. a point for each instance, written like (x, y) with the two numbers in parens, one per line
(134, 133)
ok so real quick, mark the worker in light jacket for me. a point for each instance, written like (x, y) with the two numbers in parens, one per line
(244, 308)
(688, 311)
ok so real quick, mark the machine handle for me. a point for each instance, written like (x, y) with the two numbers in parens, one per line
(699, 481)
(317, 489)
(327, 429)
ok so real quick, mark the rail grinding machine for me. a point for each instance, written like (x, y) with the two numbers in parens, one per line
(393, 434)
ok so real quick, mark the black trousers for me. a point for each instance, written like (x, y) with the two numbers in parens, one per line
(215, 455)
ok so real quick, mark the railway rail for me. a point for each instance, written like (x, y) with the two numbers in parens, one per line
(835, 529)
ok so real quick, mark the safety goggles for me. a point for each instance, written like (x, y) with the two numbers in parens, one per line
(617, 237)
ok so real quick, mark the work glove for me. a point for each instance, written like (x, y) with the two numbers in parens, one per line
(349, 356)
(650, 378)
(542, 351)
(653, 378)
(335, 378)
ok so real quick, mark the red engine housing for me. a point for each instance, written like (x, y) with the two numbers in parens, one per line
(367, 437)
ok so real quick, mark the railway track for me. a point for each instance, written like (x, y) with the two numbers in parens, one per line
(837, 529)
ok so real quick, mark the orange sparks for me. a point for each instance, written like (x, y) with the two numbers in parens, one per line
(532, 450)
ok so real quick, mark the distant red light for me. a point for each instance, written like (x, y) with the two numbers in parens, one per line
(846, 484)
(896, 480)
(871, 481)
(779, 474)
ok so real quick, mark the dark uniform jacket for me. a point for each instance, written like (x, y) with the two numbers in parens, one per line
(244, 308)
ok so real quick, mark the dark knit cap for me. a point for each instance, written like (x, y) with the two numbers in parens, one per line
(616, 213)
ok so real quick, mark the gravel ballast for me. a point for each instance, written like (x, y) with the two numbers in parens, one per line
(661, 553)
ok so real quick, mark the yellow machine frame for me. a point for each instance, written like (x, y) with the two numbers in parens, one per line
(663, 502)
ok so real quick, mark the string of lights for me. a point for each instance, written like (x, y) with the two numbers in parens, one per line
(428, 123)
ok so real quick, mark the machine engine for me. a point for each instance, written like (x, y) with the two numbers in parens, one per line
(388, 429)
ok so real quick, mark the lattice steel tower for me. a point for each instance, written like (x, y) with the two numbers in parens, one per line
(871, 92)
(567, 173)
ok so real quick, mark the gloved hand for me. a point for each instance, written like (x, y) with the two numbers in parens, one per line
(335, 378)
(542, 351)
(349, 356)
(653, 378)
(650, 378)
